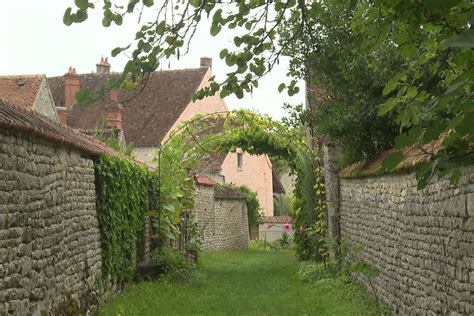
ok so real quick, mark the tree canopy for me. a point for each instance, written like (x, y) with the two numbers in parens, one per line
(402, 69)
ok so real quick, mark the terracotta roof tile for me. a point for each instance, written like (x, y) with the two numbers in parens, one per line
(148, 115)
(212, 164)
(27, 120)
(277, 219)
(202, 180)
(20, 90)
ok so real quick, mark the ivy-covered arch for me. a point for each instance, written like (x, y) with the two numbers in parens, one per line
(257, 134)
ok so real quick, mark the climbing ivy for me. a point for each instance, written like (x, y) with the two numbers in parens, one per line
(122, 190)
(259, 134)
(253, 205)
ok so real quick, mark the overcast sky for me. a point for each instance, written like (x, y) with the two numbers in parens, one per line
(33, 40)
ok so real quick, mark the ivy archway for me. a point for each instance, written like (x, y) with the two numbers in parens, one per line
(255, 134)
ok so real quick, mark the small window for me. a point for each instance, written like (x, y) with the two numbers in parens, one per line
(239, 160)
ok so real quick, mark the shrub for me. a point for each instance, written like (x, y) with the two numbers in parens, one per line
(284, 241)
(310, 272)
(175, 265)
(261, 244)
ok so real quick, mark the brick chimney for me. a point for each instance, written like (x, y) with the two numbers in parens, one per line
(206, 62)
(114, 96)
(103, 67)
(113, 115)
(62, 114)
(71, 87)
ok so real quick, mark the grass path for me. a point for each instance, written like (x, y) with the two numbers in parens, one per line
(249, 282)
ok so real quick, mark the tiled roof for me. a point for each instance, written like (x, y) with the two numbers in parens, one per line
(277, 219)
(202, 180)
(20, 90)
(212, 164)
(148, 114)
(27, 120)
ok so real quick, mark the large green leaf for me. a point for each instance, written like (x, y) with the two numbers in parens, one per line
(465, 39)
(388, 106)
(82, 4)
(393, 160)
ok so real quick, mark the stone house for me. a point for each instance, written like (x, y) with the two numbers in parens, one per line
(147, 116)
(30, 91)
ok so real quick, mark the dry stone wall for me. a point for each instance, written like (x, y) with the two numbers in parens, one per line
(422, 241)
(232, 226)
(224, 220)
(205, 215)
(50, 253)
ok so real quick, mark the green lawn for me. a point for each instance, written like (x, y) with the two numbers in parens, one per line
(249, 282)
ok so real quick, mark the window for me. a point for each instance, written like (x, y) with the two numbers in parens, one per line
(239, 160)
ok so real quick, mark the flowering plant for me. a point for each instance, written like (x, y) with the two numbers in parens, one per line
(287, 227)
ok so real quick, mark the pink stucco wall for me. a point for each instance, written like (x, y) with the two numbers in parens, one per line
(256, 173)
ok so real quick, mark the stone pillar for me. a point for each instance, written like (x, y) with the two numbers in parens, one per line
(331, 177)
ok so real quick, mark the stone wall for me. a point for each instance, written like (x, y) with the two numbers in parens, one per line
(223, 220)
(44, 102)
(231, 226)
(49, 237)
(205, 215)
(272, 228)
(422, 241)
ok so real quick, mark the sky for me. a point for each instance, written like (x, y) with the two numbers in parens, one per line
(34, 40)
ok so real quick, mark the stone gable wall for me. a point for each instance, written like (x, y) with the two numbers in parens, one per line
(44, 102)
(49, 236)
(422, 241)
(224, 221)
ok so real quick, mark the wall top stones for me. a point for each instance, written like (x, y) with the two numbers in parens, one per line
(27, 120)
(227, 192)
(412, 157)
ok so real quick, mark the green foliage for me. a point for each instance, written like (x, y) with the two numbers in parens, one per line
(311, 272)
(354, 47)
(431, 96)
(122, 190)
(203, 136)
(175, 189)
(309, 206)
(262, 244)
(349, 83)
(284, 241)
(175, 265)
(253, 206)
(112, 139)
(254, 52)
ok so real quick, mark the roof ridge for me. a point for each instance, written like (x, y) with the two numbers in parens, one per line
(22, 76)
(119, 73)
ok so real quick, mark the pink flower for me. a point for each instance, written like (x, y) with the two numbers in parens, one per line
(287, 227)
